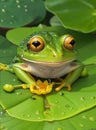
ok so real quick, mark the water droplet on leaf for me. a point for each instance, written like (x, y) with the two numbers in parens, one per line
(56, 101)
(18, 93)
(84, 117)
(62, 113)
(28, 116)
(34, 98)
(18, 6)
(12, 16)
(2, 20)
(3, 10)
(32, 0)
(25, 6)
(91, 118)
(59, 129)
(61, 93)
(81, 125)
(93, 97)
(26, 10)
(17, 1)
(14, 80)
(37, 112)
(82, 98)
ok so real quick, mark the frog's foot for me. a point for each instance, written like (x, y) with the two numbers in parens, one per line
(62, 85)
(41, 87)
(3, 66)
(10, 88)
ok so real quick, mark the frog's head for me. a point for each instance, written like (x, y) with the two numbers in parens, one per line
(47, 47)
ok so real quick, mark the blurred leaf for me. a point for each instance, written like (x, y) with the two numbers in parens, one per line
(7, 50)
(20, 12)
(75, 14)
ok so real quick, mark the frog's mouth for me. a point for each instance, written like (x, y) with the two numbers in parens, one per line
(45, 63)
(59, 61)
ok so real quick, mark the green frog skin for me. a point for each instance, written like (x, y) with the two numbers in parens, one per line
(49, 56)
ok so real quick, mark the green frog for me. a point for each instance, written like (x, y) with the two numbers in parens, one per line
(45, 55)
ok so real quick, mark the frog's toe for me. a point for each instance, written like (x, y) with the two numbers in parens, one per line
(69, 88)
(63, 85)
(3, 66)
(8, 88)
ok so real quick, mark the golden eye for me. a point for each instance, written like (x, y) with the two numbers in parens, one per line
(36, 44)
(69, 42)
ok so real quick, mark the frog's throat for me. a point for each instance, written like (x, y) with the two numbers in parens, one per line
(49, 69)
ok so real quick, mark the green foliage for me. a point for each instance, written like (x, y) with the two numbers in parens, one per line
(82, 121)
(16, 13)
(56, 111)
(26, 107)
(79, 15)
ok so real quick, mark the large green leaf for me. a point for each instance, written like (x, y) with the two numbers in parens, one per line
(77, 15)
(23, 105)
(20, 12)
(63, 104)
(82, 121)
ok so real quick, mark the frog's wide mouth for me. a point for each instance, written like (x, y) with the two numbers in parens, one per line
(48, 63)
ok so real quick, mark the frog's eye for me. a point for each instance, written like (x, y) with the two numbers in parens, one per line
(36, 44)
(69, 42)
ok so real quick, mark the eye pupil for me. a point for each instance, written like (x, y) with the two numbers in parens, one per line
(72, 42)
(36, 43)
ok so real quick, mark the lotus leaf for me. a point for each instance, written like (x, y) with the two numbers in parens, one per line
(55, 106)
(83, 121)
(19, 12)
(79, 15)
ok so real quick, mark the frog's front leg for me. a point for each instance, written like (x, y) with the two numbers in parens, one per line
(22, 71)
(18, 69)
(72, 77)
(6, 67)
(38, 87)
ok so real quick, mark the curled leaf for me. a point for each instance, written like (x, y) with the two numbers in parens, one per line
(74, 14)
